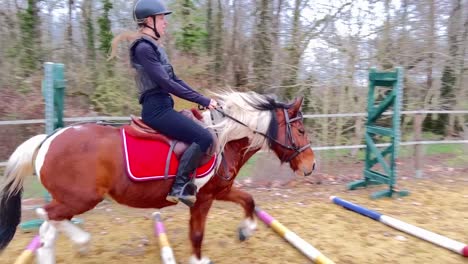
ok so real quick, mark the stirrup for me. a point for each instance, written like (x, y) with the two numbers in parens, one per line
(188, 199)
(172, 198)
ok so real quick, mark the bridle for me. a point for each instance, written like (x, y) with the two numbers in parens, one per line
(297, 149)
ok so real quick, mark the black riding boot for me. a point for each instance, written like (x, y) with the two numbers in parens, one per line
(183, 189)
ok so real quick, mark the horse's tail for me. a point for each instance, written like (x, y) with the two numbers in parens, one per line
(18, 167)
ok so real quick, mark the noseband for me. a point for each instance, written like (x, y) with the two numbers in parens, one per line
(297, 150)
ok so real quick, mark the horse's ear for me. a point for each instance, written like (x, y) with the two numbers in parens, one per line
(295, 106)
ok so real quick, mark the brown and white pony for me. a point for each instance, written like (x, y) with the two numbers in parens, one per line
(81, 164)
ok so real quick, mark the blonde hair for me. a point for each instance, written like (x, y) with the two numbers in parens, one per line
(128, 36)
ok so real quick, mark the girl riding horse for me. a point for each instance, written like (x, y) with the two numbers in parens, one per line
(156, 82)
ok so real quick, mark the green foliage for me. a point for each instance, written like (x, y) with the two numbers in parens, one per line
(456, 149)
(105, 33)
(115, 96)
(27, 50)
(246, 170)
(192, 36)
(90, 39)
(33, 188)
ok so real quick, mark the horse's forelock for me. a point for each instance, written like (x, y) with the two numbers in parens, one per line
(273, 128)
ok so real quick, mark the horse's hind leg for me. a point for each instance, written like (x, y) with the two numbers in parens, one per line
(59, 214)
(248, 226)
(48, 234)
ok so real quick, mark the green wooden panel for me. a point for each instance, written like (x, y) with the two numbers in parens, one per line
(376, 112)
(378, 130)
(393, 99)
(387, 151)
(383, 76)
(384, 83)
(377, 176)
(371, 147)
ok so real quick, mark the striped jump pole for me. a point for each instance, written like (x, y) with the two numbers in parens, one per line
(299, 243)
(167, 256)
(28, 254)
(434, 238)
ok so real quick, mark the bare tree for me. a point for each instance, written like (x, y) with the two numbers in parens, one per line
(218, 42)
(263, 55)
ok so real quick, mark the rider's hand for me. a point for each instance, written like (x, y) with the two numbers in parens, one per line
(213, 104)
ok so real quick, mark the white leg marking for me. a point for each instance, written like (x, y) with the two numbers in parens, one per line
(247, 227)
(195, 260)
(42, 214)
(48, 235)
(77, 235)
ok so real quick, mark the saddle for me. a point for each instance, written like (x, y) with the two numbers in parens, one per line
(139, 129)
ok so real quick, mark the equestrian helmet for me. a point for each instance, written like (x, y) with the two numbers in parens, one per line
(147, 8)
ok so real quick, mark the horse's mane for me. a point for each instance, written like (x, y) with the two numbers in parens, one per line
(254, 110)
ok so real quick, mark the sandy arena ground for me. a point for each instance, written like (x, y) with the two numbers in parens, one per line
(438, 202)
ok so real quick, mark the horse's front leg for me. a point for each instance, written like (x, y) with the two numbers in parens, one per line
(198, 215)
(248, 225)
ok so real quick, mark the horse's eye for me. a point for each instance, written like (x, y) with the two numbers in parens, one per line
(302, 131)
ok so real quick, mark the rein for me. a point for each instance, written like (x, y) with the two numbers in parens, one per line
(297, 150)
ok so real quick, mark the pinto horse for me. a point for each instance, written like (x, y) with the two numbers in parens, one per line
(81, 164)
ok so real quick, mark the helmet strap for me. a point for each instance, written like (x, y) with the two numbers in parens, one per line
(155, 29)
(156, 33)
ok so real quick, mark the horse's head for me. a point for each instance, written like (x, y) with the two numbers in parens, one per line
(266, 122)
(291, 143)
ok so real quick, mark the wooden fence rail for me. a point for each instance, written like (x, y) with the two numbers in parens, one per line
(417, 143)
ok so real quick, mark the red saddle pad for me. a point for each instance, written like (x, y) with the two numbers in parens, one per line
(145, 159)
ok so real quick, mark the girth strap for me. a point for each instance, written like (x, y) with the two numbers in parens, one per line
(168, 159)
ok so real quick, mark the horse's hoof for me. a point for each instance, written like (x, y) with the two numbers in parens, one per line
(82, 249)
(242, 237)
(203, 260)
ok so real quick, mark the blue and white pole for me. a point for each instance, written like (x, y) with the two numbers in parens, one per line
(434, 238)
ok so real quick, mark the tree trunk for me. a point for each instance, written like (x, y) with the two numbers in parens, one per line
(449, 77)
(68, 52)
(90, 31)
(30, 38)
(263, 56)
(386, 42)
(218, 43)
(293, 53)
(236, 55)
(461, 84)
(277, 55)
(209, 39)
(105, 36)
(90, 44)
(423, 104)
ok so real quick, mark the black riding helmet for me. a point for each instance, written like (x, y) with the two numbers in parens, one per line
(149, 8)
